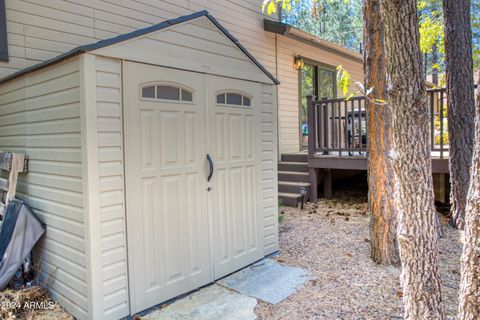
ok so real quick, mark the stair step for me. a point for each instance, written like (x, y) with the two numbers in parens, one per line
(292, 176)
(295, 157)
(291, 187)
(289, 199)
(293, 166)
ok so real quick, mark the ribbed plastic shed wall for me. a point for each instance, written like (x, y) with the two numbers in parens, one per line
(120, 177)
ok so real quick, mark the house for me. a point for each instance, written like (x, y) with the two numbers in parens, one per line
(153, 130)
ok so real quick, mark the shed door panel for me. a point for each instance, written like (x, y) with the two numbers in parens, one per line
(233, 133)
(166, 184)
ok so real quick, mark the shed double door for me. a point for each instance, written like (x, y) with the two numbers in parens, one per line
(183, 230)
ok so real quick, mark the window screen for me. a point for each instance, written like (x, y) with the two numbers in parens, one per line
(166, 92)
(148, 92)
(233, 99)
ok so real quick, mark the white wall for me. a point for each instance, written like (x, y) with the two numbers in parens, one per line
(40, 116)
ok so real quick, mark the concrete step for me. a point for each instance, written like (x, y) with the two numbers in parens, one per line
(292, 176)
(289, 199)
(291, 187)
(293, 166)
(295, 157)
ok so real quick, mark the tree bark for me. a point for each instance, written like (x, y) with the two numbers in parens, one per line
(411, 159)
(469, 306)
(461, 104)
(383, 217)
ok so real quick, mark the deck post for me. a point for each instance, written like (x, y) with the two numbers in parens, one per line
(327, 184)
(312, 141)
(440, 187)
(313, 176)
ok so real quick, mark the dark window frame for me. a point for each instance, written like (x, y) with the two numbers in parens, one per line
(316, 65)
(3, 33)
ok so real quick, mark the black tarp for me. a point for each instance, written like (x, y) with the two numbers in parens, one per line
(19, 232)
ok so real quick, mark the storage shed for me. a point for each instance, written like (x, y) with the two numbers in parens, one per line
(152, 162)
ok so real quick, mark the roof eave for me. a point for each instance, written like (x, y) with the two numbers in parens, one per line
(293, 32)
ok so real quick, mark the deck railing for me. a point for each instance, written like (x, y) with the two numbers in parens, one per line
(339, 126)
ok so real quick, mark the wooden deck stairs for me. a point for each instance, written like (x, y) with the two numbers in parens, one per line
(292, 175)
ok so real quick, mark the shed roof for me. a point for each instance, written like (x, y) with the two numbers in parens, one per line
(138, 33)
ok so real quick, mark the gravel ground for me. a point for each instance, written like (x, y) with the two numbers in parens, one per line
(331, 240)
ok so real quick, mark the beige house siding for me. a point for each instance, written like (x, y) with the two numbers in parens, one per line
(104, 187)
(40, 116)
(269, 169)
(111, 187)
(288, 91)
(175, 46)
(42, 29)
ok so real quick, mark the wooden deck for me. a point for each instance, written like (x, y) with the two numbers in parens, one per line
(439, 165)
(337, 137)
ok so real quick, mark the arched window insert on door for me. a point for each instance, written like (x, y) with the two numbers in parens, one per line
(235, 99)
(166, 91)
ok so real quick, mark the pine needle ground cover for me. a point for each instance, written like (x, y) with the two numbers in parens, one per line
(331, 240)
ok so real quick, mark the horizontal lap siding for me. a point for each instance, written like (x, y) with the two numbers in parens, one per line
(175, 47)
(42, 29)
(40, 116)
(111, 187)
(269, 169)
(288, 91)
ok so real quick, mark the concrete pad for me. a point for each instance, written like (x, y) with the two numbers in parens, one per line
(213, 302)
(267, 280)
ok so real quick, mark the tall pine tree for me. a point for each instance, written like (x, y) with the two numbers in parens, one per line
(461, 103)
(469, 302)
(383, 213)
(417, 235)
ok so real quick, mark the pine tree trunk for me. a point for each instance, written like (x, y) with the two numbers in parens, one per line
(411, 159)
(383, 218)
(461, 104)
(469, 306)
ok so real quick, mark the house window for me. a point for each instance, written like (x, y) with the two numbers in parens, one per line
(166, 92)
(3, 33)
(318, 81)
(234, 99)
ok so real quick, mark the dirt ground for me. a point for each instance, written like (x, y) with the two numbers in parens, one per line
(30, 304)
(331, 240)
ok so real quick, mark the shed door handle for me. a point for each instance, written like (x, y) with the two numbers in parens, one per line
(210, 166)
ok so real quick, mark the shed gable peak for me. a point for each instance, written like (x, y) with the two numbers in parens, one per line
(176, 43)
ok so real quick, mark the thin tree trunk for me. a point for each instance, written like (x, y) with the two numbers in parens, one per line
(461, 104)
(383, 217)
(469, 306)
(417, 232)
